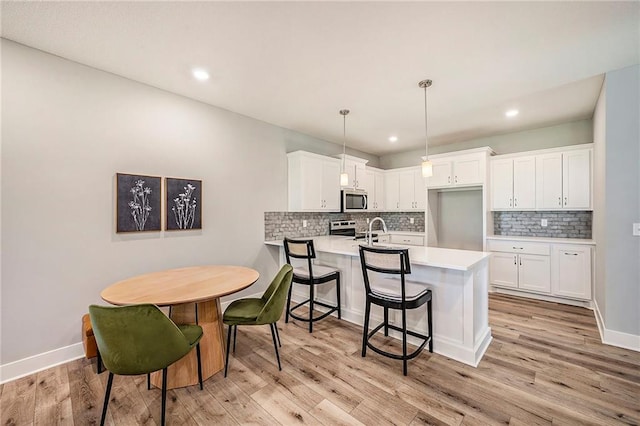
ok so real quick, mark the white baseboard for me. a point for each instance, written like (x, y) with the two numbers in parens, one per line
(613, 337)
(33, 364)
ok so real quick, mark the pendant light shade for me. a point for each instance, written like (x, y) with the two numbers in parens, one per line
(344, 177)
(427, 167)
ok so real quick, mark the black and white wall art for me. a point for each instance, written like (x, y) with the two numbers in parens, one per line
(184, 204)
(138, 203)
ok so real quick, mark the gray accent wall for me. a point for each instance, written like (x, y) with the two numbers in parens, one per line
(618, 202)
(67, 129)
(560, 224)
(573, 133)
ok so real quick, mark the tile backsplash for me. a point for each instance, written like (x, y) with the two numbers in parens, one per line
(277, 225)
(560, 224)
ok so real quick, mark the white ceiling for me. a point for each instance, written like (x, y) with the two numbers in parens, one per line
(295, 64)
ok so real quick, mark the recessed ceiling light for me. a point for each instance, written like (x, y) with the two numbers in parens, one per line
(393, 139)
(511, 113)
(200, 74)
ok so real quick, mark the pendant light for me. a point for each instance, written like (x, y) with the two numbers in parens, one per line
(427, 167)
(344, 177)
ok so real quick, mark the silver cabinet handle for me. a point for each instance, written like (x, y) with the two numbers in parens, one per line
(517, 248)
(515, 202)
(520, 261)
(456, 179)
(560, 201)
(515, 257)
(398, 205)
(565, 201)
(510, 202)
(448, 179)
(570, 254)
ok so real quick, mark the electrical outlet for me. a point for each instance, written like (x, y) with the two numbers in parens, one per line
(304, 223)
(411, 220)
(367, 221)
(543, 222)
(636, 229)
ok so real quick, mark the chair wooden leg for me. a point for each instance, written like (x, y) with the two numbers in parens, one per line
(226, 362)
(275, 345)
(199, 365)
(235, 336)
(164, 395)
(286, 315)
(404, 342)
(107, 394)
(338, 296)
(365, 331)
(386, 321)
(311, 296)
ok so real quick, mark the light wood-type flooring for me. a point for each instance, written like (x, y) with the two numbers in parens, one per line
(545, 365)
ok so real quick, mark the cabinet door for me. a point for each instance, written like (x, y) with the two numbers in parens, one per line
(311, 186)
(549, 181)
(410, 240)
(468, 171)
(524, 183)
(503, 269)
(576, 179)
(368, 184)
(534, 273)
(441, 174)
(502, 184)
(350, 170)
(572, 272)
(392, 190)
(420, 190)
(330, 185)
(379, 191)
(407, 191)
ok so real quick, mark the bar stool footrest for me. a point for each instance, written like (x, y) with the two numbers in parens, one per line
(425, 340)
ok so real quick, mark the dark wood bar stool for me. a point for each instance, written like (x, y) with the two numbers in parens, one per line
(391, 293)
(309, 275)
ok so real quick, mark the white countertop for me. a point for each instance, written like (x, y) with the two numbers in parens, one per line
(542, 239)
(461, 260)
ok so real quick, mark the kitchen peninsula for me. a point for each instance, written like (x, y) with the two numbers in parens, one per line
(457, 278)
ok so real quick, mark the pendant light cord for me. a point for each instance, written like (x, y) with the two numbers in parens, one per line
(426, 140)
(344, 140)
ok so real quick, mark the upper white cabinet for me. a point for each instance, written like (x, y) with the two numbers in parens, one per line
(374, 185)
(313, 182)
(513, 183)
(356, 170)
(564, 180)
(405, 189)
(451, 170)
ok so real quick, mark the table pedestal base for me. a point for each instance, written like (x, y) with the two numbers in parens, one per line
(184, 372)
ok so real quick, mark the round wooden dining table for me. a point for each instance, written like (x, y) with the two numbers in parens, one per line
(190, 292)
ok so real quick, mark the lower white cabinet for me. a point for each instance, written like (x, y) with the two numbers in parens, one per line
(559, 270)
(411, 240)
(571, 273)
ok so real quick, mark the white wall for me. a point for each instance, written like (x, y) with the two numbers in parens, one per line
(622, 207)
(67, 129)
(599, 224)
(573, 133)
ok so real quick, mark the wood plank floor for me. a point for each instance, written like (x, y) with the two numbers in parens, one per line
(545, 365)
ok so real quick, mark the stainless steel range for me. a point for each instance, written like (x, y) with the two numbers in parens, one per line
(347, 228)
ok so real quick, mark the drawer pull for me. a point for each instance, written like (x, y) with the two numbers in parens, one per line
(515, 262)
(518, 248)
(570, 254)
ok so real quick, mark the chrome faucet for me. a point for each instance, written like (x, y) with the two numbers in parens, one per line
(384, 228)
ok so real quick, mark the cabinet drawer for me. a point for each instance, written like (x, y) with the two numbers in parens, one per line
(519, 247)
(413, 240)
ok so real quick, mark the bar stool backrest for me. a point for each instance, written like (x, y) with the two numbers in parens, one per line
(385, 261)
(300, 249)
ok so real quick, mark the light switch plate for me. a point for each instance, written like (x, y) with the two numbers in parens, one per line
(304, 223)
(543, 222)
(411, 220)
(636, 229)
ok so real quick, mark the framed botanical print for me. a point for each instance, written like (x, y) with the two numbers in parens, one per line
(184, 204)
(138, 202)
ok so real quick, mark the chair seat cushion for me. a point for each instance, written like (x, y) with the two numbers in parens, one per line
(243, 311)
(319, 271)
(390, 288)
(192, 332)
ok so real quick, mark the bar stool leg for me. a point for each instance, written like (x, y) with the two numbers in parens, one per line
(404, 342)
(430, 325)
(386, 321)
(365, 331)
(338, 296)
(286, 316)
(311, 296)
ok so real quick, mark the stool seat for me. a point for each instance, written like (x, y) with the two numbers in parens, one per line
(319, 272)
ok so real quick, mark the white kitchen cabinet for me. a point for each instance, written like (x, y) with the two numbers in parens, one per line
(522, 266)
(513, 183)
(405, 189)
(571, 273)
(313, 182)
(356, 170)
(410, 240)
(563, 180)
(458, 170)
(374, 185)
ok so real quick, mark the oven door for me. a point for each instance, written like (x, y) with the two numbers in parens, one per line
(354, 201)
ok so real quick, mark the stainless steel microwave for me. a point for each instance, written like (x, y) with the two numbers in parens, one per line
(353, 201)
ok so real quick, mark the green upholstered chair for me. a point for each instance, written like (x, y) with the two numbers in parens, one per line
(265, 310)
(140, 339)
